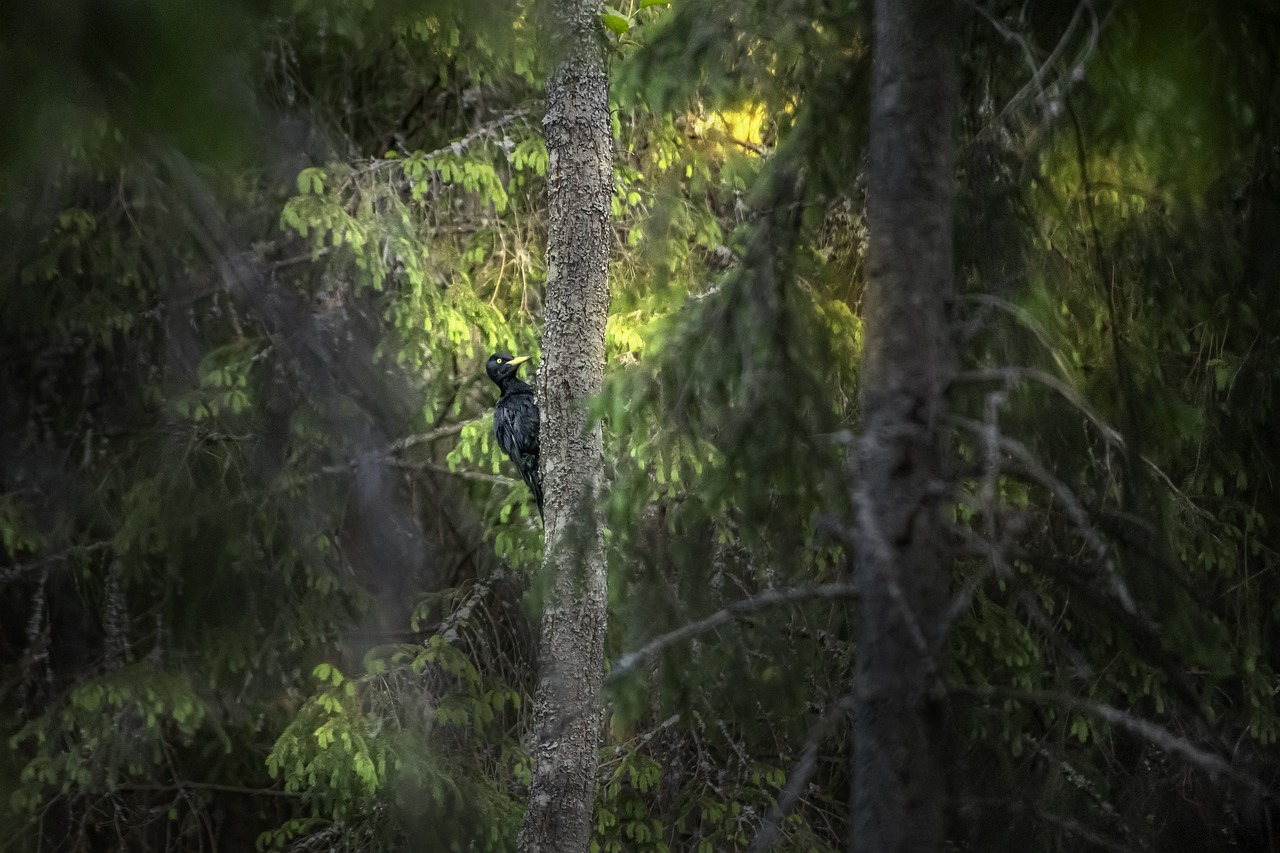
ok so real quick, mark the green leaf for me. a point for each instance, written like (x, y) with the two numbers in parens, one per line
(311, 181)
(615, 20)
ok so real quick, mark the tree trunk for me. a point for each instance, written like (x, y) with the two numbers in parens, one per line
(898, 802)
(566, 713)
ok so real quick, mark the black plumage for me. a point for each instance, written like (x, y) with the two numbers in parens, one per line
(516, 420)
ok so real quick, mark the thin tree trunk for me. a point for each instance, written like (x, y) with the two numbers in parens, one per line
(567, 707)
(898, 802)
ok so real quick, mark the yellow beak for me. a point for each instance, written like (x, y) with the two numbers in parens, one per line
(521, 360)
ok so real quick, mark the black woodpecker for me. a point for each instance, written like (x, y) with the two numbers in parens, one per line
(515, 419)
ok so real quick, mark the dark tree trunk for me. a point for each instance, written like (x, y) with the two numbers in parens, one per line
(567, 707)
(899, 793)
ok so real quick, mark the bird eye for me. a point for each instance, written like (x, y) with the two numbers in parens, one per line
(499, 361)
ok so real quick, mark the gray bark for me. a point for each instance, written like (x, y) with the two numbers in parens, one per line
(898, 801)
(565, 747)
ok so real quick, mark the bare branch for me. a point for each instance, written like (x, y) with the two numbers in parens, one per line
(428, 437)
(434, 467)
(1012, 375)
(304, 258)
(1073, 775)
(14, 572)
(1022, 315)
(1069, 825)
(183, 786)
(462, 474)
(1074, 509)
(770, 598)
(801, 772)
(1208, 762)
(1038, 84)
(449, 627)
(484, 131)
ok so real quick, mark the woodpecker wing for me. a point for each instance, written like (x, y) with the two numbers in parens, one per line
(515, 425)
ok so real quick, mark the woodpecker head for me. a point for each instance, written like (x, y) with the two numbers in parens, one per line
(502, 367)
